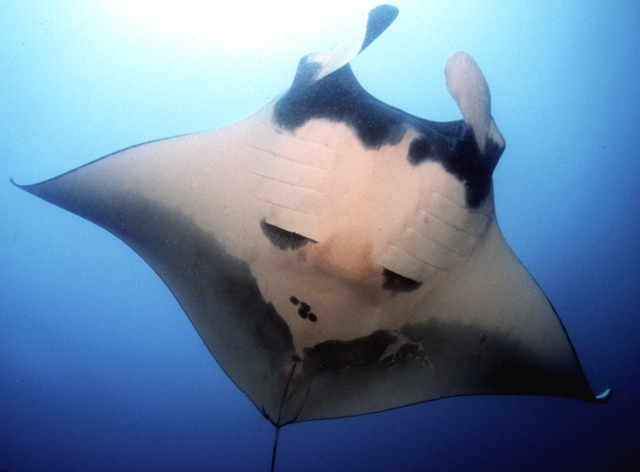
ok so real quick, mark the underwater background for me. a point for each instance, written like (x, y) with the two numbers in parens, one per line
(100, 370)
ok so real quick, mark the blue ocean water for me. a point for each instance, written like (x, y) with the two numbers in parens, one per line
(99, 367)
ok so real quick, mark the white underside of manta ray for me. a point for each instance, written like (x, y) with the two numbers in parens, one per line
(338, 256)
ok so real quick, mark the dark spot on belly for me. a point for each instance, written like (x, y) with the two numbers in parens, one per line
(304, 311)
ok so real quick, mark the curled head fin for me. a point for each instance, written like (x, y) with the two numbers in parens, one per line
(469, 88)
(315, 66)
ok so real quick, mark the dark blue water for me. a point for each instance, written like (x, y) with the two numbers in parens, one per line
(99, 368)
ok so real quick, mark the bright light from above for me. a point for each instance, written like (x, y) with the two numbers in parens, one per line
(237, 20)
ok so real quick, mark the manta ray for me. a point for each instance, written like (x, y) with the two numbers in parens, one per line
(337, 255)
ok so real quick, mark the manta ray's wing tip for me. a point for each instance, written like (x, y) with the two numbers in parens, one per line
(605, 396)
(25, 187)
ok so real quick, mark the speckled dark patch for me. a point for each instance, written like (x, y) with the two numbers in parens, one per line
(339, 97)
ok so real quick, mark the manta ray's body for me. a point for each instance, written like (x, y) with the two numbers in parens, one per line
(336, 255)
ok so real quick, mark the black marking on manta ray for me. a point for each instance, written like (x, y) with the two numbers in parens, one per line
(339, 97)
(468, 165)
(305, 309)
(283, 239)
(477, 354)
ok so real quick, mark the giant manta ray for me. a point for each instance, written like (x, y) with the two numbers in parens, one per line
(336, 255)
